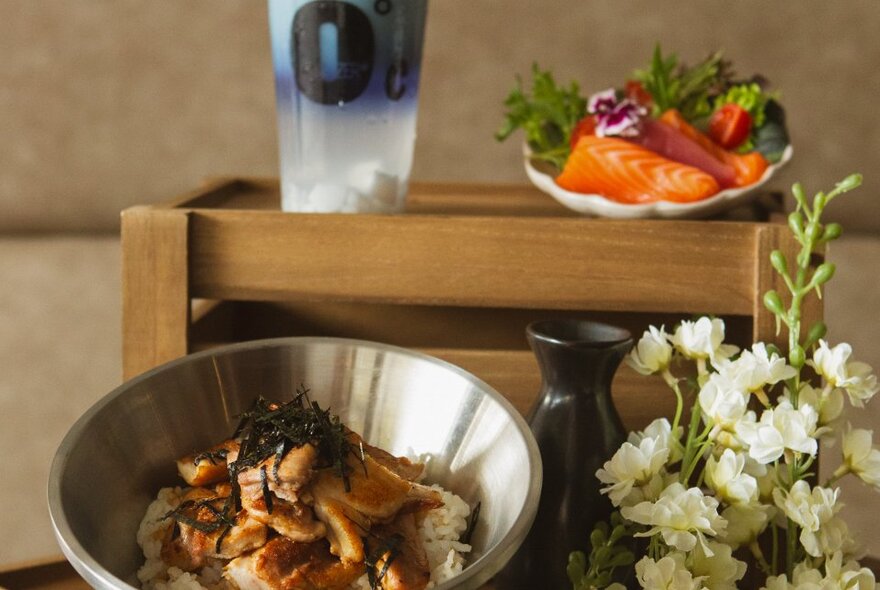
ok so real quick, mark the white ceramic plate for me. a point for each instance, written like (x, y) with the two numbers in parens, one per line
(592, 204)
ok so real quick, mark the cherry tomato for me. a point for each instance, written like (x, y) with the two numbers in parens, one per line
(730, 126)
(635, 91)
(586, 126)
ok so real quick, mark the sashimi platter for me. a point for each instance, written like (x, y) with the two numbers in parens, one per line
(674, 141)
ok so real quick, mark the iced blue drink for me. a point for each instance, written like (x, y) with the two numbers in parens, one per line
(346, 75)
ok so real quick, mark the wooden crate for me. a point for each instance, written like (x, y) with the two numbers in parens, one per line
(459, 276)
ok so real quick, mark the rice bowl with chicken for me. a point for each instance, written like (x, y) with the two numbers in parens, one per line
(296, 500)
(116, 458)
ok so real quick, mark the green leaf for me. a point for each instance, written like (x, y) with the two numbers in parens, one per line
(577, 562)
(777, 259)
(817, 331)
(832, 232)
(547, 116)
(773, 302)
(771, 138)
(688, 89)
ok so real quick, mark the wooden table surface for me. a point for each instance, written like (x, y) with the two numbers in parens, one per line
(60, 575)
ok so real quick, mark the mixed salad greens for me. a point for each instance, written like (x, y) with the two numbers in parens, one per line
(739, 115)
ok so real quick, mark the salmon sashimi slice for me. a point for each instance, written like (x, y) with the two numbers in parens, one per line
(748, 168)
(628, 173)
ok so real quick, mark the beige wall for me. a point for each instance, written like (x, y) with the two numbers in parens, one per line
(108, 103)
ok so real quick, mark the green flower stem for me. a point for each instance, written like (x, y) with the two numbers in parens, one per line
(791, 532)
(755, 548)
(805, 223)
(695, 460)
(838, 473)
(774, 530)
(654, 548)
(689, 449)
(672, 382)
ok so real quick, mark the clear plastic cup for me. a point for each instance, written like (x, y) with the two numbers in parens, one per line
(346, 75)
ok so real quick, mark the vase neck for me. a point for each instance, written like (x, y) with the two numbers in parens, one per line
(578, 356)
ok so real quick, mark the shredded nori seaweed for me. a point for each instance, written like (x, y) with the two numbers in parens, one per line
(269, 429)
(187, 513)
(213, 456)
(472, 524)
(387, 549)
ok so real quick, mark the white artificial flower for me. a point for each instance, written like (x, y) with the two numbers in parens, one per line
(777, 583)
(661, 429)
(650, 491)
(828, 403)
(860, 457)
(723, 403)
(745, 522)
(805, 577)
(756, 368)
(720, 570)
(725, 476)
(703, 339)
(652, 353)
(861, 385)
(855, 377)
(781, 428)
(766, 476)
(847, 575)
(815, 511)
(670, 573)
(830, 363)
(681, 516)
(632, 466)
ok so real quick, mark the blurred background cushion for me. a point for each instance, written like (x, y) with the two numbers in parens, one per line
(105, 104)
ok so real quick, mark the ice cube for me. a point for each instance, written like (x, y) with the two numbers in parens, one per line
(379, 189)
(328, 198)
(361, 176)
(385, 190)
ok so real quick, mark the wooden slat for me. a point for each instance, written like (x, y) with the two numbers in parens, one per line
(515, 375)
(436, 198)
(413, 326)
(155, 294)
(687, 267)
(482, 199)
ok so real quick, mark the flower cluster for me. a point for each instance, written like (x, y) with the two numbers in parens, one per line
(736, 478)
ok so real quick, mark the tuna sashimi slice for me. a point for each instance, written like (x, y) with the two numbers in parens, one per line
(749, 167)
(628, 173)
(671, 143)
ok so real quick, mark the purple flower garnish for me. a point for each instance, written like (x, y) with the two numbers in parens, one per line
(602, 102)
(613, 116)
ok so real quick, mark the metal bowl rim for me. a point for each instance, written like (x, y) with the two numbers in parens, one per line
(93, 571)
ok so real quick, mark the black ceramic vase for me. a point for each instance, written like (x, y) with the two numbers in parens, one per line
(577, 429)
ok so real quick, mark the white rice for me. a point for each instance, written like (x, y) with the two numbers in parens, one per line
(440, 531)
(155, 574)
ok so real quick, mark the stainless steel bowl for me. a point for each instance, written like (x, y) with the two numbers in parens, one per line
(115, 458)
